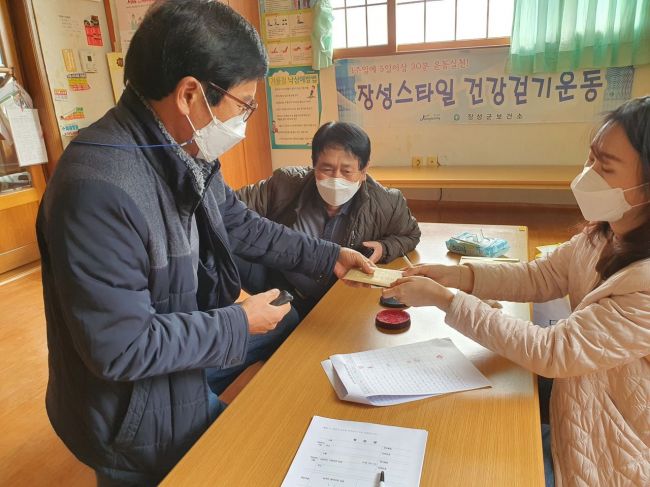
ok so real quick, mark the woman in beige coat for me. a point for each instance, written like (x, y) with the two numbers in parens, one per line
(600, 355)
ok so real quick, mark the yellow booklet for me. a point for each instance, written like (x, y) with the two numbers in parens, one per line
(381, 277)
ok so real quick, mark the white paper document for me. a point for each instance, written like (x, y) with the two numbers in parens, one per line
(381, 277)
(27, 136)
(404, 373)
(349, 453)
(550, 312)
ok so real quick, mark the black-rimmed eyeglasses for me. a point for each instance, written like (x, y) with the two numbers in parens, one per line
(247, 108)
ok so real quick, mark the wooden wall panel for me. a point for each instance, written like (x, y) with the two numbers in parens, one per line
(251, 161)
(233, 166)
(18, 257)
(18, 244)
(17, 226)
(18, 209)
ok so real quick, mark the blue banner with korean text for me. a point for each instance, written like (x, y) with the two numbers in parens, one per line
(471, 87)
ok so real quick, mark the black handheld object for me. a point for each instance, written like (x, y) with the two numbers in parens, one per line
(365, 251)
(391, 303)
(283, 298)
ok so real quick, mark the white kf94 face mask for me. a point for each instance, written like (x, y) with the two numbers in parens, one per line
(337, 191)
(598, 201)
(217, 137)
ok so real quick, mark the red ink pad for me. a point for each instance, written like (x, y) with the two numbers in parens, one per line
(393, 320)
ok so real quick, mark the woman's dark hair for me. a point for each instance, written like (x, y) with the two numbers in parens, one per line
(634, 118)
(341, 135)
(205, 39)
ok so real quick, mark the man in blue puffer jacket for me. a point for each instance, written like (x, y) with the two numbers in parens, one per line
(138, 231)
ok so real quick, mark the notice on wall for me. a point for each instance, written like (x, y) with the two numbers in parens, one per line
(471, 87)
(69, 60)
(12, 95)
(129, 17)
(285, 25)
(27, 136)
(294, 106)
(292, 53)
(93, 31)
(116, 70)
(78, 81)
(75, 114)
(287, 34)
(276, 5)
(60, 94)
(283, 5)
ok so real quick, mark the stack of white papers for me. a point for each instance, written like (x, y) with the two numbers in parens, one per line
(335, 452)
(404, 373)
(549, 313)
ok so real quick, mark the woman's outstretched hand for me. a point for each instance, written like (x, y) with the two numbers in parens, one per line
(420, 291)
(456, 276)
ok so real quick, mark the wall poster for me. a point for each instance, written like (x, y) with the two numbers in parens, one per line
(294, 106)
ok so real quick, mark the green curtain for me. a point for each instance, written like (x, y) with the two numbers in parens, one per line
(321, 34)
(562, 35)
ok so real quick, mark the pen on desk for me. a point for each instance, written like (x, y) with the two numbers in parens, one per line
(489, 259)
(408, 261)
(381, 479)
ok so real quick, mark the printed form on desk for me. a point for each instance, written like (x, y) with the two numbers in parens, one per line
(394, 375)
(353, 454)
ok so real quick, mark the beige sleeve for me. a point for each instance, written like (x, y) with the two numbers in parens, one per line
(605, 334)
(538, 281)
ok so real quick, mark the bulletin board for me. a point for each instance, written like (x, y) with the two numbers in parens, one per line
(75, 60)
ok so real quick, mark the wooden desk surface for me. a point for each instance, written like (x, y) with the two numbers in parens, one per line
(487, 437)
(513, 177)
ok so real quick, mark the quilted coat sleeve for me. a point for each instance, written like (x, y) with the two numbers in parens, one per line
(402, 233)
(94, 239)
(537, 281)
(261, 240)
(610, 332)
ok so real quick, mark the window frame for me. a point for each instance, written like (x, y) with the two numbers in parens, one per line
(392, 48)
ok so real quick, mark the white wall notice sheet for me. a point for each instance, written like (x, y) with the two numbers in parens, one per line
(353, 454)
(27, 135)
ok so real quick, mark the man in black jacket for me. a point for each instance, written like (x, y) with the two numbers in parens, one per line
(138, 234)
(335, 200)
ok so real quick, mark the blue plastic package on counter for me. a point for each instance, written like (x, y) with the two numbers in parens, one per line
(477, 245)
